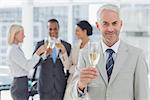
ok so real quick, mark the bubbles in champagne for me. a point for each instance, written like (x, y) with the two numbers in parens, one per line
(94, 57)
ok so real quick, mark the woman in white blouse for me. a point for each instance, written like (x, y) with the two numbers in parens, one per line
(19, 65)
(83, 31)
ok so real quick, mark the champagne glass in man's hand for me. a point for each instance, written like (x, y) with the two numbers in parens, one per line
(93, 53)
(50, 45)
(60, 46)
(94, 56)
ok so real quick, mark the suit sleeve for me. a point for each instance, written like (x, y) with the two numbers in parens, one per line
(65, 57)
(74, 89)
(141, 79)
(36, 47)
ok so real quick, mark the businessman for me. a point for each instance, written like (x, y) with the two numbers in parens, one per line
(121, 73)
(52, 80)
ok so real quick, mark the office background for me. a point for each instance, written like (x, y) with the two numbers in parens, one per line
(34, 14)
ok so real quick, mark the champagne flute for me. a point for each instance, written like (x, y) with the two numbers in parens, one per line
(50, 44)
(93, 53)
(94, 56)
(57, 44)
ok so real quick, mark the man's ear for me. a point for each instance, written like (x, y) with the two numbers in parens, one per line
(97, 25)
(121, 23)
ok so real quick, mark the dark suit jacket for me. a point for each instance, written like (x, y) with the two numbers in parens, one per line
(52, 81)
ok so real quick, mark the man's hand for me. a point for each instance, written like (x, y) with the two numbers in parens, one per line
(86, 76)
(49, 51)
(61, 47)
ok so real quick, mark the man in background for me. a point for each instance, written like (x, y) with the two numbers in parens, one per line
(52, 80)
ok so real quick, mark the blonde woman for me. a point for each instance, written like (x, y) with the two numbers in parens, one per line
(18, 64)
(83, 31)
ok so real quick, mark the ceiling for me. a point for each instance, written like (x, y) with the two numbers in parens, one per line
(9, 3)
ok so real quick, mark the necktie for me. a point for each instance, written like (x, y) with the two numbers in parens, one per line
(54, 55)
(109, 63)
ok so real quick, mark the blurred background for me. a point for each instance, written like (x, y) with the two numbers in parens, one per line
(34, 14)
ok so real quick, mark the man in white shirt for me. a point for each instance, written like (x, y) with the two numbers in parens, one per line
(121, 73)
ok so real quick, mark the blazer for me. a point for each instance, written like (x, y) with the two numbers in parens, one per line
(73, 60)
(129, 79)
(52, 76)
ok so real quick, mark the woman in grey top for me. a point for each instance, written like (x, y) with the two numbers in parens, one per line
(19, 65)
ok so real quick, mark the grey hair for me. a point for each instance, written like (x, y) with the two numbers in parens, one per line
(112, 7)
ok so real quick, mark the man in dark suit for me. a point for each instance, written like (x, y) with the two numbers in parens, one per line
(52, 80)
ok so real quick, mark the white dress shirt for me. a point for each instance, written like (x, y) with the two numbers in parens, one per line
(63, 57)
(106, 55)
(19, 65)
(114, 48)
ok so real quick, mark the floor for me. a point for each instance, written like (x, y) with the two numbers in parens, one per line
(5, 95)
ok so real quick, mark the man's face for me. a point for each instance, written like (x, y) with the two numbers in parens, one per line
(110, 25)
(53, 29)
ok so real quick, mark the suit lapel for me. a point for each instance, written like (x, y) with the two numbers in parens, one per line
(120, 61)
(101, 66)
(75, 52)
(59, 51)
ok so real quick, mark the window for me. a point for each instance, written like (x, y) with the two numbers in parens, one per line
(43, 14)
(7, 17)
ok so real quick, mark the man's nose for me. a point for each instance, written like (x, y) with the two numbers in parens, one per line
(110, 28)
(53, 31)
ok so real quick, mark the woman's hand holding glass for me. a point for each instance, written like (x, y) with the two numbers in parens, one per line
(41, 50)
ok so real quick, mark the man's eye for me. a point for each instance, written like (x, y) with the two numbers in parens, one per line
(114, 23)
(104, 23)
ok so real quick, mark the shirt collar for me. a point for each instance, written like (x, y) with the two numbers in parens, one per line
(114, 47)
(16, 45)
(56, 39)
(59, 39)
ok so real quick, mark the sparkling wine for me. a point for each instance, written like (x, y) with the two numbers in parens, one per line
(93, 58)
(58, 45)
(50, 45)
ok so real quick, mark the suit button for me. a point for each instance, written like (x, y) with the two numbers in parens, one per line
(107, 94)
